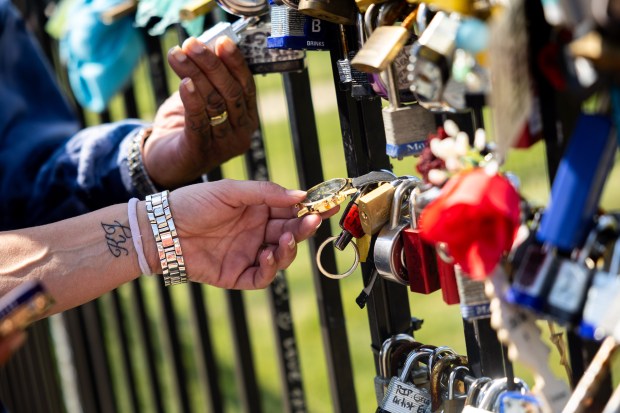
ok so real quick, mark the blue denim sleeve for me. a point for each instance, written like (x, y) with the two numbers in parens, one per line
(49, 169)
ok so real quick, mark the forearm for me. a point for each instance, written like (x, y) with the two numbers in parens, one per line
(78, 259)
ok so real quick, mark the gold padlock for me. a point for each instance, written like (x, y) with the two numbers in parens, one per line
(375, 208)
(363, 246)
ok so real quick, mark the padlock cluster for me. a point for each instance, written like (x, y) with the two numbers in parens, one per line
(416, 377)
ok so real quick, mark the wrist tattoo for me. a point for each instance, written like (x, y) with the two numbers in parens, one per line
(115, 235)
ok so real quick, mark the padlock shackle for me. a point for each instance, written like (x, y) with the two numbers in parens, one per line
(454, 373)
(397, 202)
(497, 387)
(414, 356)
(474, 390)
(386, 351)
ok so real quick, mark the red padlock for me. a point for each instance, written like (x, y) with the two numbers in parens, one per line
(419, 256)
(447, 279)
(350, 223)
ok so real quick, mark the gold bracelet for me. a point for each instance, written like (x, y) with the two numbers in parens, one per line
(165, 233)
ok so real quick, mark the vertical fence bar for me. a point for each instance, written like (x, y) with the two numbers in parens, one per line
(286, 344)
(331, 314)
(363, 138)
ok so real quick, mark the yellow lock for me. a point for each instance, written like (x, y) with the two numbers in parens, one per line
(363, 246)
(375, 207)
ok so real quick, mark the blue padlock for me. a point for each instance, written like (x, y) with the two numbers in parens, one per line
(578, 184)
(291, 29)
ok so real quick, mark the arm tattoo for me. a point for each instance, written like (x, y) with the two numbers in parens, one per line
(115, 235)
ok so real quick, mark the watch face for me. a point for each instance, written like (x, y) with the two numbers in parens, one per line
(325, 190)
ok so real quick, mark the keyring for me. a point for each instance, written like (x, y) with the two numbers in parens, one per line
(336, 276)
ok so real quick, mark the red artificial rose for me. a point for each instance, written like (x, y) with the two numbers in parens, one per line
(477, 216)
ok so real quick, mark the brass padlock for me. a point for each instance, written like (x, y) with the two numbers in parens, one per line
(374, 208)
(335, 11)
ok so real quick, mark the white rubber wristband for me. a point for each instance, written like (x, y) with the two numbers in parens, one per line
(132, 207)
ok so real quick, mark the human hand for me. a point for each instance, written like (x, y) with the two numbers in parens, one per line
(237, 234)
(183, 137)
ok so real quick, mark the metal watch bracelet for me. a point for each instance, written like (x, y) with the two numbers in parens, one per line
(165, 233)
(140, 179)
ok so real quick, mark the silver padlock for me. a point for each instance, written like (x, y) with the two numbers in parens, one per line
(473, 393)
(388, 251)
(385, 354)
(402, 396)
(454, 403)
(406, 126)
(601, 312)
(261, 59)
(568, 292)
(489, 397)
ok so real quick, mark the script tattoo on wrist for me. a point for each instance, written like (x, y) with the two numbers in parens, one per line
(116, 234)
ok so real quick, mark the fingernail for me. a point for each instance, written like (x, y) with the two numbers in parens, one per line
(189, 84)
(319, 224)
(178, 54)
(197, 47)
(297, 193)
(270, 258)
(227, 44)
(291, 243)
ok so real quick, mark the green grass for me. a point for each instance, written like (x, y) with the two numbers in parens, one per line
(442, 326)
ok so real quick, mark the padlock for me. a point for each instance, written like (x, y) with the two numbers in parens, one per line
(344, 65)
(439, 368)
(517, 402)
(261, 59)
(454, 402)
(473, 393)
(230, 30)
(350, 224)
(431, 59)
(601, 311)
(568, 292)
(363, 245)
(292, 30)
(375, 206)
(578, 183)
(335, 11)
(388, 248)
(533, 277)
(480, 9)
(381, 48)
(419, 255)
(489, 397)
(385, 355)
(403, 396)
(474, 303)
(406, 126)
(447, 277)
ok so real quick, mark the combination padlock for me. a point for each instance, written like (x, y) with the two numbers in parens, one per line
(419, 255)
(403, 395)
(291, 29)
(388, 250)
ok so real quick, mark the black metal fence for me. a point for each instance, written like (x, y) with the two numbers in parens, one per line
(148, 348)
